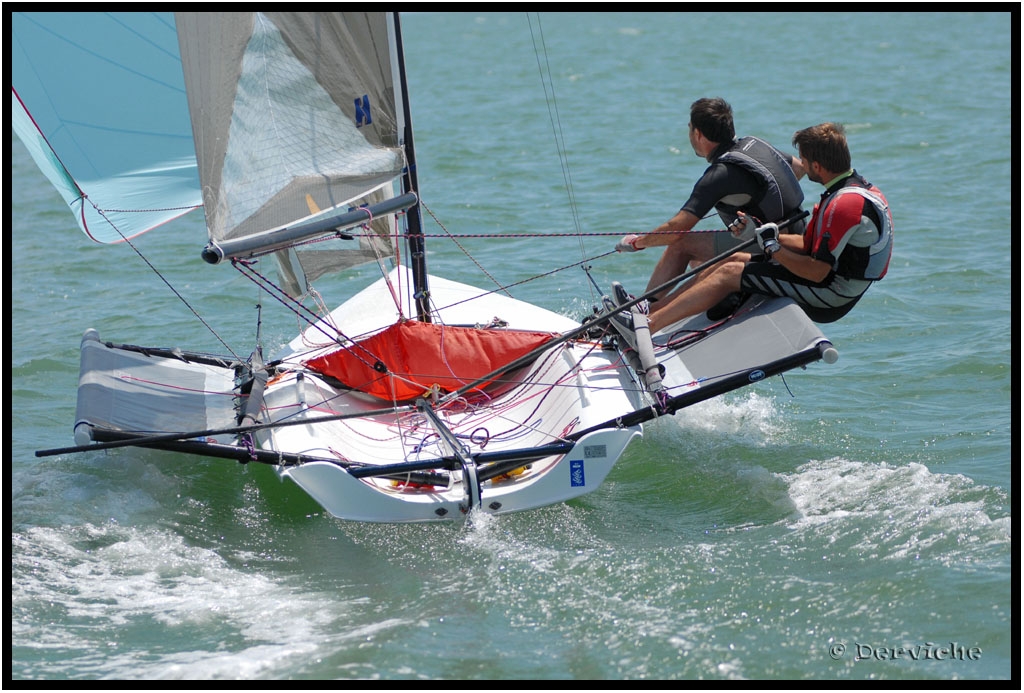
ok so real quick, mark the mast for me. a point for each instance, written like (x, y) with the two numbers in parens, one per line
(414, 219)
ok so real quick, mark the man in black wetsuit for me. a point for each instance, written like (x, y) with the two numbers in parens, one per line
(746, 174)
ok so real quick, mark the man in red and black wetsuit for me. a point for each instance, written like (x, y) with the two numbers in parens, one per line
(845, 248)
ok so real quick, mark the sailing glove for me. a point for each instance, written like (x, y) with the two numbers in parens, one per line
(768, 238)
(743, 226)
(628, 244)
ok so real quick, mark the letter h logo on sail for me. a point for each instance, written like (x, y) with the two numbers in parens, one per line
(363, 111)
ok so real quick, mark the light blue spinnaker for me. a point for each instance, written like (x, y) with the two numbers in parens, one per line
(99, 101)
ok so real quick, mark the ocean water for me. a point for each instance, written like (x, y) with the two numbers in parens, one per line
(851, 521)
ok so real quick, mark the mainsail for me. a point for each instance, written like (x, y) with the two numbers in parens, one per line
(286, 105)
(295, 115)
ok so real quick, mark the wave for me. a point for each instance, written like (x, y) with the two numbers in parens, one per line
(894, 512)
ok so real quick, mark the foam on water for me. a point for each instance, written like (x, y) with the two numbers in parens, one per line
(899, 512)
(751, 416)
(188, 612)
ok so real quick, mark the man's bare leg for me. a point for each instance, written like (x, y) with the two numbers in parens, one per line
(698, 296)
(691, 248)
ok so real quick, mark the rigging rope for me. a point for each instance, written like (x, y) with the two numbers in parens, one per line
(301, 310)
(556, 126)
(455, 237)
(138, 252)
(547, 82)
(455, 240)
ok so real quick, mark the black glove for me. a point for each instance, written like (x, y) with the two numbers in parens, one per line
(768, 238)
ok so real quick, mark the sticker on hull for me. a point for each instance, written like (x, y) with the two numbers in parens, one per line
(576, 476)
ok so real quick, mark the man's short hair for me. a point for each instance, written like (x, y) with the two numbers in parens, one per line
(713, 118)
(824, 144)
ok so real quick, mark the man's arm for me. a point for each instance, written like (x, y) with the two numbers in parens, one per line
(798, 168)
(667, 232)
(792, 257)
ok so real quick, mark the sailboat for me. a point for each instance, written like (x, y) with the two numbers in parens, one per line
(419, 398)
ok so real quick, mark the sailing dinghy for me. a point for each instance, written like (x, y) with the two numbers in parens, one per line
(418, 398)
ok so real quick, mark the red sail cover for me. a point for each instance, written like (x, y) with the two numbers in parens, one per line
(418, 355)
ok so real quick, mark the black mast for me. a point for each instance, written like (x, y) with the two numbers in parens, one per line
(414, 220)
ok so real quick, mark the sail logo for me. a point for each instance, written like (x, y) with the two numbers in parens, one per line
(754, 376)
(363, 111)
(576, 476)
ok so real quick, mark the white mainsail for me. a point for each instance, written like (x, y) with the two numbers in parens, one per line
(294, 116)
(280, 112)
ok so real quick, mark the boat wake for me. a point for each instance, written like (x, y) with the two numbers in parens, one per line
(896, 512)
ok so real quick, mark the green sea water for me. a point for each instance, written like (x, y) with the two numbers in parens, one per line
(853, 521)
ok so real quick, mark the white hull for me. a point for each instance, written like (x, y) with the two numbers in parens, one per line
(553, 434)
(570, 387)
(552, 480)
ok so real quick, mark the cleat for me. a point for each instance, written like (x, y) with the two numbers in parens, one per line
(597, 331)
